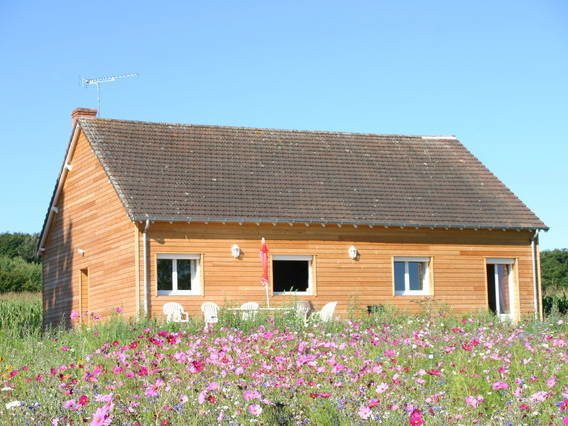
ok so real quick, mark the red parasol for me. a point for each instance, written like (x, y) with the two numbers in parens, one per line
(264, 262)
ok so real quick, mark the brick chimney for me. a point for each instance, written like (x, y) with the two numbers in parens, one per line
(82, 112)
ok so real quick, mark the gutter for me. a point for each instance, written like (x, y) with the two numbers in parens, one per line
(146, 278)
(536, 294)
(334, 222)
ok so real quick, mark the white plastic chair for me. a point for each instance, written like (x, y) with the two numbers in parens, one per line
(174, 312)
(210, 311)
(250, 312)
(325, 314)
(303, 309)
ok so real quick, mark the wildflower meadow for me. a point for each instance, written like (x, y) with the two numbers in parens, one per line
(390, 368)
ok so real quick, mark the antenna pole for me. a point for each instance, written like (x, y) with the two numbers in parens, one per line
(97, 82)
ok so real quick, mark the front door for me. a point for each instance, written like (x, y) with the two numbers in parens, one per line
(500, 287)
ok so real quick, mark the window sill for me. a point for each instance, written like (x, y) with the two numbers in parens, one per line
(177, 293)
(292, 293)
(413, 293)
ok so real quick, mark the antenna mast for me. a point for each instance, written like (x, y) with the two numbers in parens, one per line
(97, 82)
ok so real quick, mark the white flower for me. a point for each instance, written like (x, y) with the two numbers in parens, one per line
(14, 404)
(6, 389)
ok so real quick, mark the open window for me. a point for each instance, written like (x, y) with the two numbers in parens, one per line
(411, 276)
(500, 286)
(292, 274)
(178, 274)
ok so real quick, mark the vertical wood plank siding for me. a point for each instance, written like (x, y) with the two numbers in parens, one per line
(92, 218)
(457, 268)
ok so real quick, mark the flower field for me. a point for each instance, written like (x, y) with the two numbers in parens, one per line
(387, 368)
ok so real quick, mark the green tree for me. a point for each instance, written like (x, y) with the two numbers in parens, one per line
(18, 275)
(554, 268)
(18, 245)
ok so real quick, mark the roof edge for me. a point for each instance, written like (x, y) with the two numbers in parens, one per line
(57, 190)
(326, 222)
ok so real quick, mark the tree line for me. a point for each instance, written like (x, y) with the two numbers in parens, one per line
(20, 270)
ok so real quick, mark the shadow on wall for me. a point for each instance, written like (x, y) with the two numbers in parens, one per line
(58, 274)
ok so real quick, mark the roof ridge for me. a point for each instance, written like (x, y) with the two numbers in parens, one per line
(327, 132)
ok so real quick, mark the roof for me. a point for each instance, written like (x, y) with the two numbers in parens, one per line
(181, 172)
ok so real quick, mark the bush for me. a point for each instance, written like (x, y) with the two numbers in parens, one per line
(18, 275)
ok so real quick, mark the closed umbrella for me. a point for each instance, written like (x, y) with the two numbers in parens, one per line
(264, 262)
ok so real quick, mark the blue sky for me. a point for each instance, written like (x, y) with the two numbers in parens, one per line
(495, 74)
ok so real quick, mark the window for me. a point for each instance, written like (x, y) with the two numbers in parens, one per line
(411, 276)
(500, 285)
(178, 274)
(292, 274)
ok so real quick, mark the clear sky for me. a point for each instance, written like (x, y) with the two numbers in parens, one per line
(495, 74)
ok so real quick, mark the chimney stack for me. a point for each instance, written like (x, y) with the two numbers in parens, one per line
(82, 112)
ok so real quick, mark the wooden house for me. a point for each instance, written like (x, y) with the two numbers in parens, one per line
(146, 213)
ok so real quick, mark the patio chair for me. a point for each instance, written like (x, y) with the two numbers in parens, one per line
(174, 312)
(303, 309)
(210, 311)
(325, 314)
(250, 313)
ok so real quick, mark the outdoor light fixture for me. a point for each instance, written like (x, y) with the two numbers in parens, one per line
(81, 252)
(236, 251)
(353, 253)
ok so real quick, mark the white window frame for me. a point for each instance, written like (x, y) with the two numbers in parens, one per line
(195, 277)
(512, 284)
(307, 258)
(407, 291)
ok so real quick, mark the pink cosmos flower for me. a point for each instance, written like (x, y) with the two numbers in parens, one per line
(255, 409)
(251, 394)
(201, 397)
(70, 404)
(500, 385)
(74, 315)
(365, 412)
(539, 396)
(65, 348)
(474, 401)
(83, 400)
(382, 387)
(183, 399)
(416, 418)
(102, 416)
(118, 309)
(565, 420)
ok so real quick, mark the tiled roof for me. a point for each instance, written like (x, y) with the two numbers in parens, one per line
(195, 172)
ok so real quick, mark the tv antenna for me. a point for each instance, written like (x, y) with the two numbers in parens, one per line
(98, 81)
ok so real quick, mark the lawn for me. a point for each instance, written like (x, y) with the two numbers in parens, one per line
(391, 368)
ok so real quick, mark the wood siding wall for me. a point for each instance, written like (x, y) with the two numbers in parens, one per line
(457, 268)
(92, 218)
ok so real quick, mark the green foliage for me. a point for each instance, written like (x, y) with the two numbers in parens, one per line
(19, 270)
(18, 275)
(554, 268)
(18, 245)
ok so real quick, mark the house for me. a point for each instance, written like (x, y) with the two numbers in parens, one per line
(146, 213)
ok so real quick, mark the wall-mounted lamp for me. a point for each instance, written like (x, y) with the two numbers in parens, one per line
(81, 252)
(236, 251)
(353, 252)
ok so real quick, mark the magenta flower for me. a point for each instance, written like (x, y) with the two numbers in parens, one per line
(416, 418)
(118, 309)
(102, 416)
(251, 394)
(74, 315)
